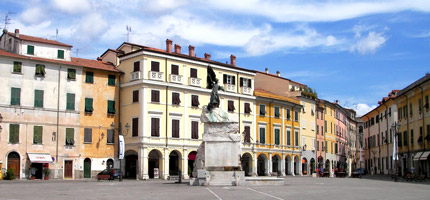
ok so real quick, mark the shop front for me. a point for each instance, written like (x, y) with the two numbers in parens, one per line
(39, 165)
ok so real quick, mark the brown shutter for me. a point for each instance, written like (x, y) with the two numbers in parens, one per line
(135, 127)
(233, 82)
(241, 82)
(193, 73)
(195, 100)
(155, 96)
(195, 130)
(136, 66)
(155, 66)
(136, 96)
(249, 83)
(247, 108)
(175, 69)
(247, 134)
(224, 78)
(231, 106)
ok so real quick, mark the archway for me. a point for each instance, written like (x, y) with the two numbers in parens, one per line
(246, 162)
(313, 169)
(13, 162)
(109, 164)
(154, 164)
(174, 163)
(320, 162)
(305, 166)
(261, 165)
(288, 165)
(191, 159)
(296, 165)
(130, 164)
(327, 165)
(87, 168)
(276, 168)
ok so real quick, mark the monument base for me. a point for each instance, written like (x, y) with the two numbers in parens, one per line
(219, 178)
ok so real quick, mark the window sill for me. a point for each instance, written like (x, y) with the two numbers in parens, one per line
(39, 76)
(110, 143)
(71, 79)
(37, 144)
(14, 143)
(88, 142)
(17, 73)
(112, 85)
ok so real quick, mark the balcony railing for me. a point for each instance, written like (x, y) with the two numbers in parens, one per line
(247, 90)
(158, 76)
(176, 78)
(134, 76)
(195, 81)
(230, 88)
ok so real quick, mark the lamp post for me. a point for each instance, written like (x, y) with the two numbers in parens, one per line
(396, 128)
(127, 127)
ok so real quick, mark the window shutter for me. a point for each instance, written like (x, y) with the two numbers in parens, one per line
(110, 136)
(157, 126)
(30, 50)
(135, 96)
(224, 78)
(249, 83)
(38, 98)
(195, 101)
(111, 80)
(247, 134)
(70, 101)
(89, 77)
(233, 80)
(155, 66)
(288, 137)
(37, 135)
(70, 136)
(89, 105)
(60, 54)
(135, 127)
(136, 66)
(247, 108)
(231, 107)
(17, 67)
(15, 96)
(193, 73)
(277, 140)
(195, 130)
(13, 133)
(88, 136)
(111, 107)
(175, 70)
(241, 82)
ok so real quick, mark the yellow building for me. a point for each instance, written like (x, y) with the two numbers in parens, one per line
(329, 135)
(99, 109)
(162, 95)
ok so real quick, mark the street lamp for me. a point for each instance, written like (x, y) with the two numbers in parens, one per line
(396, 128)
(127, 127)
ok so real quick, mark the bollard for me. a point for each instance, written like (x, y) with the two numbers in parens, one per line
(180, 176)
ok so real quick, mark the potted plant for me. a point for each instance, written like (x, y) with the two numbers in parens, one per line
(10, 175)
(47, 171)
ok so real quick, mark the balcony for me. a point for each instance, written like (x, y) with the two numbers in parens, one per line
(247, 90)
(230, 88)
(195, 82)
(176, 78)
(157, 76)
(134, 76)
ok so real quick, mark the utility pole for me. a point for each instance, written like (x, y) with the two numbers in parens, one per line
(77, 52)
(128, 32)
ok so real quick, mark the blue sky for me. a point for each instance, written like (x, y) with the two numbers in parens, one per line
(353, 51)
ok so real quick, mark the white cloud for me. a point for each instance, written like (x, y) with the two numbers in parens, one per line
(91, 27)
(33, 15)
(369, 44)
(362, 108)
(162, 6)
(72, 6)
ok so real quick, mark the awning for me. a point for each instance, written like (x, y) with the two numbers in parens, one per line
(40, 157)
(425, 155)
(418, 155)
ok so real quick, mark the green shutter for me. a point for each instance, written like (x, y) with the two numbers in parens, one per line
(262, 135)
(37, 134)
(38, 98)
(60, 54)
(111, 107)
(277, 113)
(71, 74)
(89, 105)
(70, 101)
(40, 70)
(89, 77)
(277, 135)
(13, 133)
(30, 50)
(17, 67)
(70, 136)
(15, 96)
(111, 80)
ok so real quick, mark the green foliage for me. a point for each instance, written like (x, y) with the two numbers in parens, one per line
(47, 171)
(10, 175)
(309, 93)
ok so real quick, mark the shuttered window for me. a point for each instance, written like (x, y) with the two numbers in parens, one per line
(155, 66)
(111, 80)
(296, 135)
(30, 50)
(136, 66)
(88, 135)
(37, 134)
(135, 127)
(194, 130)
(89, 105)
(228, 79)
(17, 67)
(247, 108)
(175, 98)
(15, 96)
(89, 77)
(40, 70)
(277, 112)
(175, 70)
(71, 74)
(60, 54)
(231, 107)
(247, 134)
(135, 96)
(262, 135)
(193, 73)
(70, 136)
(288, 114)
(195, 101)
(245, 82)
(277, 136)
(110, 136)
(296, 116)
(263, 110)
(38, 98)
(175, 128)
(155, 127)
(155, 96)
(14, 133)
(111, 107)
(288, 137)
(70, 101)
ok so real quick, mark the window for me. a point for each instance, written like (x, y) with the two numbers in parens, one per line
(174, 70)
(318, 146)
(318, 129)
(420, 139)
(111, 80)
(410, 109)
(135, 96)
(399, 136)
(277, 112)
(37, 134)
(277, 136)
(15, 98)
(247, 134)
(419, 105)
(88, 135)
(228, 79)
(71, 74)
(194, 130)
(296, 135)
(89, 77)
(262, 135)
(288, 137)
(89, 105)
(70, 101)
(175, 128)
(399, 115)
(335, 148)
(135, 127)
(175, 98)
(193, 73)
(426, 105)
(195, 101)
(296, 116)
(110, 136)
(405, 138)
(111, 107)
(136, 66)
(155, 127)
(155, 96)
(412, 137)
(247, 108)
(60, 54)
(288, 114)
(17, 67)
(262, 109)
(231, 107)
(14, 133)
(40, 70)
(325, 146)
(377, 118)
(30, 50)
(325, 126)
(38, 98)
(70, 136)
(322, 130)
(245, 82)
(155, 66)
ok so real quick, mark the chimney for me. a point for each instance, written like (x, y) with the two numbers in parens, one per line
(267, 70)
(337, 101)
(169, 46)
(191, 50)
(233, 60)
(99, 58)
(177, 48)
(207, 56)
(17, 33)
(278, 73)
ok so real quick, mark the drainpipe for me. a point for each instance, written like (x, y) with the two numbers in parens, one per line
(379, 141)
(422, 111)
(58, 114)
(167, 104)
(407, 125)
(386, 136)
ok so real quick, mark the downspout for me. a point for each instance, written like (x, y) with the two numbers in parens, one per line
(237, 89)
(119, 113)
(386, 136)
(58, 114)
(422, 110)
(167, 103)
(379, 141)
(407, 124)
(270, 124)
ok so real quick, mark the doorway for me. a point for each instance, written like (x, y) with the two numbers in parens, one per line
(13, 162)
(87, 168)
(68, 169)
(130, 166)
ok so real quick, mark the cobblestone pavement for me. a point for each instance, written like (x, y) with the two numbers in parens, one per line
(294, 188)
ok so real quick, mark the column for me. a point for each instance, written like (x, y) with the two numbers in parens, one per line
(283, 166)
(292, 165)
(185, 165)
(254, 164)
(143, 111)
(300, 167)
(270, 165)
(186, 136)
(184, 78)
(143, 163)
(166, 163)
(143, 68)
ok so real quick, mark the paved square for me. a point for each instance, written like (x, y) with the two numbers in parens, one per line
(294, 188)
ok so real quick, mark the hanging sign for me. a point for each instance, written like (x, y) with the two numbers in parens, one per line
(121, 147)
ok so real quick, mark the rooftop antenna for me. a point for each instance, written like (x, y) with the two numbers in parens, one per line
(56, 34)
(77, 52)
(128, 32)
(7, 19)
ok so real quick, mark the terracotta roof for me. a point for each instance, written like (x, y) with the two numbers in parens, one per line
(263, 93)
(274, 75)
(38, 39)
(114, 50)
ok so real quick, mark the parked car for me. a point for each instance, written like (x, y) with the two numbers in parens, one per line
(109, 174)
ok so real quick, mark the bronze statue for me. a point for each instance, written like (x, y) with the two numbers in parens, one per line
(212, 83)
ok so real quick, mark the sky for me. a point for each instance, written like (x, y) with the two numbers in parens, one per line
(355, 52)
